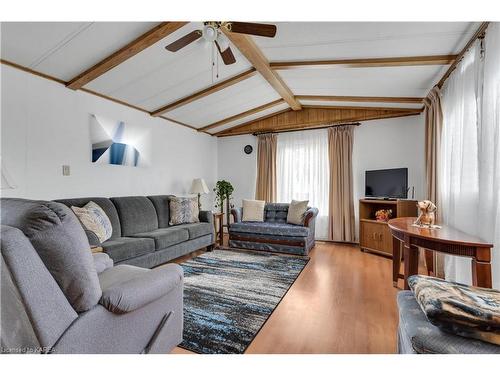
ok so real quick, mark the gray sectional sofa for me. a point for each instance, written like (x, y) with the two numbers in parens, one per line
(274, 234)
(58, 297)
(142, 235)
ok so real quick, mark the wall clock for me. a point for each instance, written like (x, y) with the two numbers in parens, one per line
(248, 149)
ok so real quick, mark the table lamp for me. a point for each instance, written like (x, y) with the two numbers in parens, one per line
(199, 187)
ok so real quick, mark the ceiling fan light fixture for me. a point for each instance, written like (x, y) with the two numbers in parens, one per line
(210, 33)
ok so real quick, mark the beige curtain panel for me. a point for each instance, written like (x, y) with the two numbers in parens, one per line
(341, 206)
(433, 129)
(266, 168)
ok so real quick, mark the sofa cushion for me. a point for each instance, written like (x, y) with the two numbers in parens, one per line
(197, 229)
(137, 215)
(296, 212)
(59, 239)
(278, 229)
(184, 210)
(124, 248)
(253, 210)
(162, 207)
(94, 219)
(276, 212)
(426, 338)
(165, 237)
(107, 206)
(457, 308)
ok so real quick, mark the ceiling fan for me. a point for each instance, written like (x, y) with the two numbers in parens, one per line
(211, 32)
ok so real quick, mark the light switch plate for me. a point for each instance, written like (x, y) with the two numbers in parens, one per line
(65, 170)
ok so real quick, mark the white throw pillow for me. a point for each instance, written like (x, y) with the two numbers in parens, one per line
(253, 210)
(296, 212)
(94, 219)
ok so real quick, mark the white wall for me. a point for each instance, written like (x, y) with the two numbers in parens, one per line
(237, 167)
(378, 144)
(45, 125)
(389, 143)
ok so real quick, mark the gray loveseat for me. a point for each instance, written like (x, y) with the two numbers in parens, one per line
(274, 234)
(57, 297)
(142, 235)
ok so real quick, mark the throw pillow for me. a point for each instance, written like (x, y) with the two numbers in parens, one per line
(457, 308)
(296, 212)
(94, 219)
(253, 210)
(184, 210)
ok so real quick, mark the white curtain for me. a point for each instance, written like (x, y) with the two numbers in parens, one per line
(303, 172)
(489, 149)
(470, 168)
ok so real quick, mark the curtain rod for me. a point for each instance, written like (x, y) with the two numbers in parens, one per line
(477, 35)
(299, 130)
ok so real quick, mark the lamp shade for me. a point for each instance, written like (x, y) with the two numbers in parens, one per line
(199, 186)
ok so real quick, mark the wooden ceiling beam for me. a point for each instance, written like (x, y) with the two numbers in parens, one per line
(365, 99)
(366, 62)
(205, 92)
(131, 49)
(234, 128)
(242, 115)
(310, 118)
(397, 109)
(249, 49)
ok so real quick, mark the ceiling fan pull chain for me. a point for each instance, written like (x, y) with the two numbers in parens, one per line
(217, 70)
(213, 64)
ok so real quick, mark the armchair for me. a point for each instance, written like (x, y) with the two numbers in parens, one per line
(57, 297)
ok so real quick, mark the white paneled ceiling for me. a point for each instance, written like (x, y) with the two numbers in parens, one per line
(156, 77)
(275, 109)
(65, 49)
(226, 103)
(385, 81)
(350, 40)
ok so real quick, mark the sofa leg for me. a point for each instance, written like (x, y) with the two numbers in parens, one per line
(210, 247)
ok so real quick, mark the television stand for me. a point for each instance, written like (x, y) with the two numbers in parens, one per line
(375, 236)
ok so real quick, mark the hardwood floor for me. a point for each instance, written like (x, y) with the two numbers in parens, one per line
(342, 302)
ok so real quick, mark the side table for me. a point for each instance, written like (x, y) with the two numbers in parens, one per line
(219, 229)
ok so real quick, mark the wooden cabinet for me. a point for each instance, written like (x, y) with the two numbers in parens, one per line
(375, 235)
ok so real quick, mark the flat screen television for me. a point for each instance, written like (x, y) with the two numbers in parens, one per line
(387, 183)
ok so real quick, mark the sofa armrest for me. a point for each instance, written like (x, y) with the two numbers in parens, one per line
(141, 290)
(102, 262)
(206, 217)
(92, 237)
(237, 214)
(310, 215)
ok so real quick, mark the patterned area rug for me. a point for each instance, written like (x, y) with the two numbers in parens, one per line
(228, 296)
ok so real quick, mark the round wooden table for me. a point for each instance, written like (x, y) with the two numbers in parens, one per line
(446, 239)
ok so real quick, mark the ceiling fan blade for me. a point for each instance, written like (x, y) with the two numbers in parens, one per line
(260, 29)
(184, 41)
(227, 55)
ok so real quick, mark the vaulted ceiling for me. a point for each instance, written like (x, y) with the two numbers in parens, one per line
(333, 67)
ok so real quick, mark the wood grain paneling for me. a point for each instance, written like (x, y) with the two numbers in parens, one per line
(309, 118)
(131, 49)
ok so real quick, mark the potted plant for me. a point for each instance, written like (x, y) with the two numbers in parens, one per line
(223, 192)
